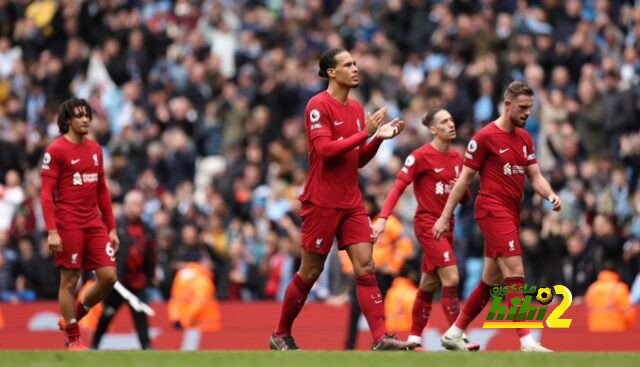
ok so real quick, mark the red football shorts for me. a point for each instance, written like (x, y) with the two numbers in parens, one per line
(501, 236)
(85, 249)
(435, 254)
(321, 225)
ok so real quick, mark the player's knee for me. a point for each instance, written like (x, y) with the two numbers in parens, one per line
(311, 273)
(69, 282)
(429, 285)
(450, 280)
(364, 267)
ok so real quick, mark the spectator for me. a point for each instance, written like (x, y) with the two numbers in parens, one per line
(607, 300)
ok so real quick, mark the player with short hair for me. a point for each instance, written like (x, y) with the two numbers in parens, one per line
(503, 153)
(332, 206)
(434, 169)
(76, 205)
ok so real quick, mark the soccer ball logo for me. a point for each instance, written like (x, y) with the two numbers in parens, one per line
(544, 296)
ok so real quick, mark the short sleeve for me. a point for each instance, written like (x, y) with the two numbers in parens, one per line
(530, 150)
(476, 152)
(50, 163)
(411, 168)
(317, 119)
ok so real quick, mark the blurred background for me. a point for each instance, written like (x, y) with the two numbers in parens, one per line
(199, 106)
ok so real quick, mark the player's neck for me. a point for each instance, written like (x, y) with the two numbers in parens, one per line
(338, 92)
(441, 145)
(503, 123)
(74, 138)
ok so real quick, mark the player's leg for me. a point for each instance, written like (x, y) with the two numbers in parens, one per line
(98, 256)
(105, 279)
(450, 280)
(111, 305)
(67, 301)
(294, 298)
(69, 260)
(512, 269)
(421, 309)
(453, 339)
(318, 231)
(355, 235)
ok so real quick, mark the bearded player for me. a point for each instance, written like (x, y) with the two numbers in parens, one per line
(332, 206)
(434, 169)
(76, 206)
(503, 153)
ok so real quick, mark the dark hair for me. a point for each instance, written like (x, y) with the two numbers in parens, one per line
(428, 119)
(328, 60)
(67, 111)
(517, 88)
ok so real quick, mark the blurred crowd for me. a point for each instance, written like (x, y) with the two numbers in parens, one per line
(198, 104)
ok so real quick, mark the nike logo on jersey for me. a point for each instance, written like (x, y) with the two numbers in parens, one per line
(438, 170)
(503, 150)
(74, 161)
(338, 123)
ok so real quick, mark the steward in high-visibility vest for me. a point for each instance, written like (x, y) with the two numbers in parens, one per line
(608, 304)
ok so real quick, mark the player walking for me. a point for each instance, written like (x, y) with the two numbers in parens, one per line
(434, 169)
(503, 153)
(337, 133)
(73, 189)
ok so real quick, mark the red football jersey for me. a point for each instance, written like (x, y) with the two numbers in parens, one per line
(333, 182)
(431, 171)
(76, 168)
(501, 157)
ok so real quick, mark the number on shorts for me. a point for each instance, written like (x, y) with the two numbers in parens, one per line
(110, 251)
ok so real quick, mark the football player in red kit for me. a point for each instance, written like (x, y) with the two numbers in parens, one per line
(337, 135)
(503, 153)
(434, 169)
(76, 206)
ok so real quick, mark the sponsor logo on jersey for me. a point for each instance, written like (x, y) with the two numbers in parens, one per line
(443, 188)
(79, 179)
(508, 169)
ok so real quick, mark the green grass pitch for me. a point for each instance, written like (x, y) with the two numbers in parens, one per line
(309, 359)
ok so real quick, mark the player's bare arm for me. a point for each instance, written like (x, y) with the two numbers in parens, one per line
(378, 228)
(541, 186)
(441, 227)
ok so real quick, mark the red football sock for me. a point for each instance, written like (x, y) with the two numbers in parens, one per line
(294, 298)
(73, 332)
(450, 304)
(370, 300)
(518, 282)
(474, 305)
(80, 311)
(420, 312)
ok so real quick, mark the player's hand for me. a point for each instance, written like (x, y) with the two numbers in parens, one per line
(556, 202)
(54, 241)
(391, 129)
(115, 241)
(373, 121)
(440, 228)
(378, 228)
